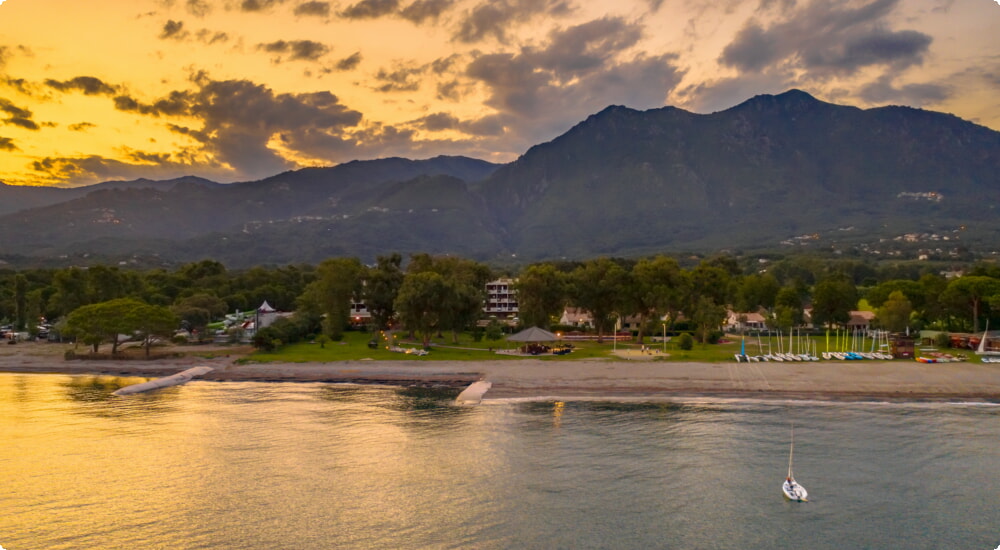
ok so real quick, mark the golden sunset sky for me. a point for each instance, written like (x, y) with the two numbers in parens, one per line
(235, 90)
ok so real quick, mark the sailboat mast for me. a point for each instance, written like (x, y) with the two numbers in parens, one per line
(791, 450)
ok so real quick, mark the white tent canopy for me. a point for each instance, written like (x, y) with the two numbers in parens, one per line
(533, 334)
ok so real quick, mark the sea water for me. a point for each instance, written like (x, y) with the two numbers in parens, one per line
(287, 465)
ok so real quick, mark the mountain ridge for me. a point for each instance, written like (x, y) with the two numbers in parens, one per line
(620, 182)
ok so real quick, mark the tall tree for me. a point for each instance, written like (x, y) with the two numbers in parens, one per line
(337, 285)
(912, 290)
(970, 292)
(541, 294)
(598, 286)
(833, 300)
(464, 294)
(198, 310)
(20, 301)
(707, 317)
(70, 290)
(106, 283)
(657, 287)
(894, 314)
(112, 321)
(708, 280)
(932, 287)
(419, 303)
(756, 291)
(151, 322)
(381, 287)
(788, 311)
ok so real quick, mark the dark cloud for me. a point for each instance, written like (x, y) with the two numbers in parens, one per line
(370, 9)
(17, 116)
(825, 37)
(296, 50)
(437, 122)
(901, 48)
(883, 91)
(95, 168)
(752, 49)
(586, 47)
(7, 52)
(89, 85)
(211, 37)
(493, 17)
(21, 85)
(314, 9)
(400, 78)
(177, 103)
(654, 5)
(350, 62)
(81, 126)
(313, 122)
(423, 10)
(450, 90)
(229, 142)
(258, 5)
(7, 144)
(541, 92)
(444, 64)
(491, 125)
(173, 30)
(198, 8)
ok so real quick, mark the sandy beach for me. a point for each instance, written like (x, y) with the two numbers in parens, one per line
(585, 379)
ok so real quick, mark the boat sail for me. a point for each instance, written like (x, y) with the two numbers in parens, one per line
(792, 490)
(988, 356)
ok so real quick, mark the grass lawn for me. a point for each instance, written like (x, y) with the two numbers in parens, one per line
(354, 347)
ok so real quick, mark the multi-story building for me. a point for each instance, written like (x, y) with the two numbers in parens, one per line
(501, 299)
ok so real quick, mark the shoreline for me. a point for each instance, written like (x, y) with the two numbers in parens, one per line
(844, 381)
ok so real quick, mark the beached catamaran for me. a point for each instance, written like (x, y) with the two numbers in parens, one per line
(792, 490)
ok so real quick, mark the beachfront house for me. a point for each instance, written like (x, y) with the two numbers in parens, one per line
(861, 321)
(576, 317)
(744, 322)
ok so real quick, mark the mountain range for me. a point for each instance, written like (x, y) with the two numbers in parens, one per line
(775, 169)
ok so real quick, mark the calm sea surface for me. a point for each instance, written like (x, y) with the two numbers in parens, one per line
(265, 465)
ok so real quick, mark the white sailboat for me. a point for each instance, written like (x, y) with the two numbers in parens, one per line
(989, 356)
(791, 488)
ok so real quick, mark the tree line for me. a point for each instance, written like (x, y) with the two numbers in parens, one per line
(436, 294)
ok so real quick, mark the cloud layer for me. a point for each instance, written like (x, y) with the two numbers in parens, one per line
(242, 89)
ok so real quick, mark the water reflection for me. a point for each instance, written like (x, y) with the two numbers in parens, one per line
(95, 393)
(342, 392)
(90, 389)
(640, 409)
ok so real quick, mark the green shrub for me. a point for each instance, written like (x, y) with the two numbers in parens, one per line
(943, 340)
(685, 341)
